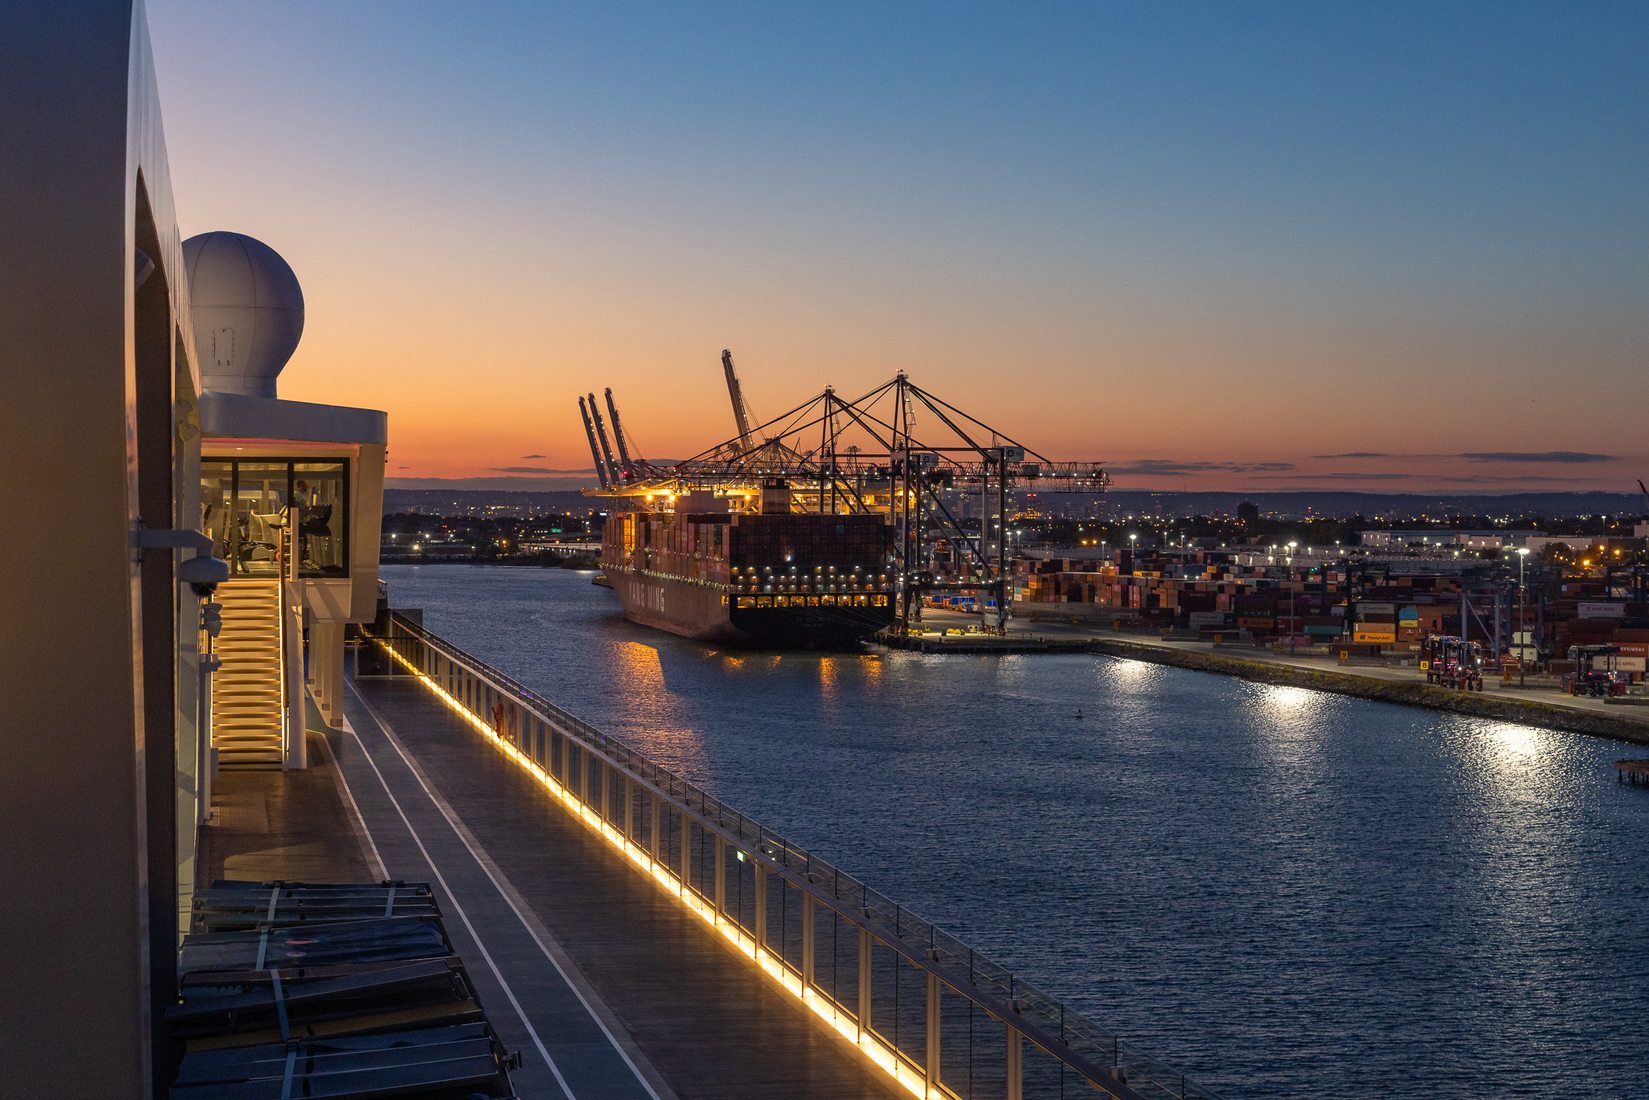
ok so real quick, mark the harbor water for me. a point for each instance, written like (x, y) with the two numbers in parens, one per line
(1281, 891)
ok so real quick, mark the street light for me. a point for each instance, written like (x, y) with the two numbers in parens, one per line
(1291, 547)
(1522, 617)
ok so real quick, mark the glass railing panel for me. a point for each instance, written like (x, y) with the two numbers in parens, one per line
(980, 999)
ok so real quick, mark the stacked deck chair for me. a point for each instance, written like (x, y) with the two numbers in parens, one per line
(291, 989)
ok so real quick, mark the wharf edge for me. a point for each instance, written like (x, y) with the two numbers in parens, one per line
(1341, 682)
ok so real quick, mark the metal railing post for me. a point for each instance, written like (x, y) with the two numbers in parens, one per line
(808, 948)
(760, 931)
(865, 957)
(629, 806)
(653, 848)
(932, 1068)
(686, 853)
(720, 893)
(1016, 1065)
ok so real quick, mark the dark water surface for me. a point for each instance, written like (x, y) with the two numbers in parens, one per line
(1284, 892)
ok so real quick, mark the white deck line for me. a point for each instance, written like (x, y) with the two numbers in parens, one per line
(435, 870)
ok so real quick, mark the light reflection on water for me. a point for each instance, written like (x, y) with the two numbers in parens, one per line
(1287, 893)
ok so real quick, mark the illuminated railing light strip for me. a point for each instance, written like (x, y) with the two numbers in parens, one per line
(878, 1053)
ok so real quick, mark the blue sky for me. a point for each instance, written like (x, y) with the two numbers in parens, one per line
(1220, 234)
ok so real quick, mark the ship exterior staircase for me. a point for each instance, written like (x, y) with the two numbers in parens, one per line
(248, 703)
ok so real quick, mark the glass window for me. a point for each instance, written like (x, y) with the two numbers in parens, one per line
(248, 505)
(259, 510)
(319, 491)
(217, 488)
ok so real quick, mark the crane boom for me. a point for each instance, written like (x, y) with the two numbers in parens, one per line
(595, 455)
(741, 415)
(618, 437)
(601, 434)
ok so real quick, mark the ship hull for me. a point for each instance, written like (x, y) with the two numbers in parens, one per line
(768, 580)
(704, 614)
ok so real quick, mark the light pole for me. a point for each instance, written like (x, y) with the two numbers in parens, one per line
(1522, 617)
(1291, 547)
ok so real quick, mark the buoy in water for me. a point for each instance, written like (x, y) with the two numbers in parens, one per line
(1079, 712)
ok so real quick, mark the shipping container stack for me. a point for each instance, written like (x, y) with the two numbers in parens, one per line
(774, 559)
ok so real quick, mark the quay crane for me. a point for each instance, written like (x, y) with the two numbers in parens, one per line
(628, 467)
(863, 456)
(741, 413)
(606, 461)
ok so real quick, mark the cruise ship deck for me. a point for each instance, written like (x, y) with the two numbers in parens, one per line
(606, 987)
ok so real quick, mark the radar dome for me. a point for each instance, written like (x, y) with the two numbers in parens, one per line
(248, 311)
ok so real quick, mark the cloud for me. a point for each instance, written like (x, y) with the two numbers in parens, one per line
(536, 470)
(1168, 467)
(1518, 479)
(1535, 456)
(1566, 457)
(1341, 475)
(1455, 479)
(532, 456)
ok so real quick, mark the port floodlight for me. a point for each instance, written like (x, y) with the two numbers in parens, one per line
(247, 308)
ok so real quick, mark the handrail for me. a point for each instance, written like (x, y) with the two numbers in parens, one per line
(1103, 1061)
(295, 744)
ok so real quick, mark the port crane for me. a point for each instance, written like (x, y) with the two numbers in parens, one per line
(864, 456)
(631, 467)
(735, 392)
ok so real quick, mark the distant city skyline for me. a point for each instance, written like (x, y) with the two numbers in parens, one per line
(1271, 247)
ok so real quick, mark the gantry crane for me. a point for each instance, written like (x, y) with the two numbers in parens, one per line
(864, 456)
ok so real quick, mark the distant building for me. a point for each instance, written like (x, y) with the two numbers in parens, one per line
(1248, 512)
(1453, 540)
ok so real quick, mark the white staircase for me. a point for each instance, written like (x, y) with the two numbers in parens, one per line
(246, 690)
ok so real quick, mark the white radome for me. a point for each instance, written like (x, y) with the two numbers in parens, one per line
(248, 311)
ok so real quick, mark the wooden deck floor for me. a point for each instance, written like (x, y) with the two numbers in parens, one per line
(688, 1015)
(270, 825)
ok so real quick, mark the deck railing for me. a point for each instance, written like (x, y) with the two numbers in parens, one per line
(939, 1017)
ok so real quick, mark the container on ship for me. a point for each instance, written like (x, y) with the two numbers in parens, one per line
(770, 578)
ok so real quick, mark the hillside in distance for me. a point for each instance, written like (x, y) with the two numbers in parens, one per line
(1121, 502)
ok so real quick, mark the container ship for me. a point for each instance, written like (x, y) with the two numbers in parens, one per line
(771, 578)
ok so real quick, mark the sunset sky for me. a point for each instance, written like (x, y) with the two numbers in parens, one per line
(1225, 246)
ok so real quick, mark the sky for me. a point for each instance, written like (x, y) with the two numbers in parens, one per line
(1215, 246)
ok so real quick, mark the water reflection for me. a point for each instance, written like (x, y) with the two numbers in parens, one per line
(1133, 675)
(828, 674)
(870, 667)
(1514, 744)
(1291, 706)
(664, 735)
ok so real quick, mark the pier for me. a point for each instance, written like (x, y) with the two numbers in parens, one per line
(959, 642)
(1632, 771)
(658, 941)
